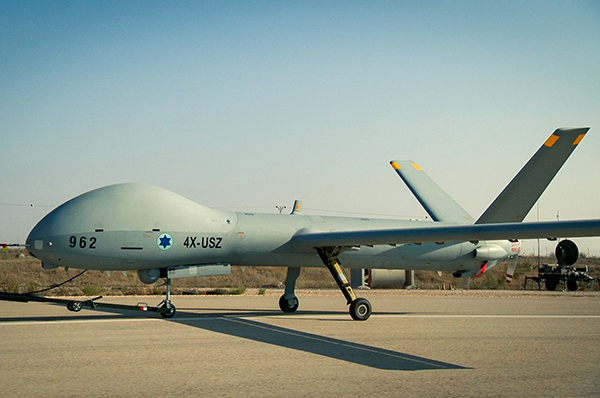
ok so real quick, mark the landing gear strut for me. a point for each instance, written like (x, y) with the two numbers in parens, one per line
(360, 308)
(289, 302)
(167, 309)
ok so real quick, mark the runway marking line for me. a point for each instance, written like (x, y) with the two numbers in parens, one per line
(289, 316)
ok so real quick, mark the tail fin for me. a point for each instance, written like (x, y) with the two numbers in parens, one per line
(520, 195)
(297, 207)
(438, 204)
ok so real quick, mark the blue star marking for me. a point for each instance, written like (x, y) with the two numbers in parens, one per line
(164, 241)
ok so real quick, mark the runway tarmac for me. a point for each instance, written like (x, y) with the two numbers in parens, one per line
(414, 345)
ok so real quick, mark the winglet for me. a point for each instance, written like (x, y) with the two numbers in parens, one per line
(520, 195)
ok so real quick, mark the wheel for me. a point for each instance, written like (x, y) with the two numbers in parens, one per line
(74, 306)
(551, 284)
(170, 313)
(572, 285)
(288, 305)
(360, 309)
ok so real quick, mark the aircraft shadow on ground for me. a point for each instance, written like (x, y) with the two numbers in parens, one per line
(236, 323)
(312, 343)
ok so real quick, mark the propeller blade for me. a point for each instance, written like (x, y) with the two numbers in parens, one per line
(510, 268)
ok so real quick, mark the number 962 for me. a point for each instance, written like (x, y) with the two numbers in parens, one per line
(82, 242)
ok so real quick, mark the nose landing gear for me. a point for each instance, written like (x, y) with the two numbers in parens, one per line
(166, 307)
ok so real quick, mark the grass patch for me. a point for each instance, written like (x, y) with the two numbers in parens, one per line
(33, 287)
(92, 289)
(238, 290)
(12, 287)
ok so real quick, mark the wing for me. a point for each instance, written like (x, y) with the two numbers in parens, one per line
(449, 233)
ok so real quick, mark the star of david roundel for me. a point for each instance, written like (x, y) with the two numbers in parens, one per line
(164, 241)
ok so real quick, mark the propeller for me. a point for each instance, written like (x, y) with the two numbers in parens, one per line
(511, 265)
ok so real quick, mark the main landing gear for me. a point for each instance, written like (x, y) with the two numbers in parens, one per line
(289, 302)
(360, 308)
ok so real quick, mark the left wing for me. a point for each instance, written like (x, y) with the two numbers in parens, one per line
(449, 233)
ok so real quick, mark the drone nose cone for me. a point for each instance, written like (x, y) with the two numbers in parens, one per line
(39, 231)
(40, 239)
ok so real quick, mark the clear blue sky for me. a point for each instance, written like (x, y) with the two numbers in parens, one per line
(249, 105)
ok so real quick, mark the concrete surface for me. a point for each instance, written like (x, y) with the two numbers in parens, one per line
(414, 345)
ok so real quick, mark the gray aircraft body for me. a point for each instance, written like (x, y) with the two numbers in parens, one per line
(163, 235)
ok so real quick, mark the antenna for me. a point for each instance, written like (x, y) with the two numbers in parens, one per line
(280, 208)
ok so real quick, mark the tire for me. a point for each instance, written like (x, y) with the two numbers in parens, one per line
(74, 306)
(360, 309)
(284, 304)
(572, 285)
(551, 284)
(170, 313)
